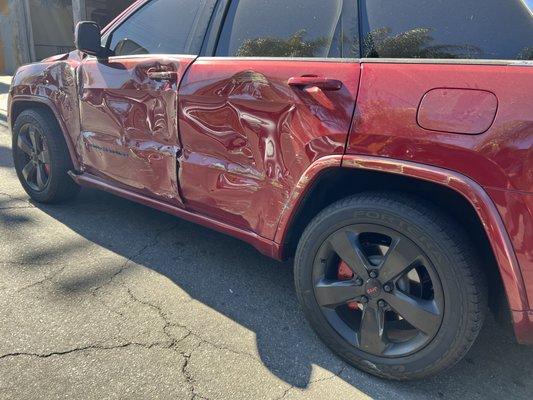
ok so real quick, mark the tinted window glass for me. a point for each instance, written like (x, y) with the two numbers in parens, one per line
(163, 27)
(295, 28)
(480, 29)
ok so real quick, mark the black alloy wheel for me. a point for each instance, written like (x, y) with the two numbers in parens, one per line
(41, 156)
(391, 284)
(34, 157)
(378, 289)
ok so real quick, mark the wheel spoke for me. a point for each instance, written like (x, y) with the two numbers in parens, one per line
(24, 145)
(371, 332)
(399, 259)
(33, 137)
(422, 314)
(28, 170)
(334, 293)
(41, 177)
(345, 244)
(44, 157)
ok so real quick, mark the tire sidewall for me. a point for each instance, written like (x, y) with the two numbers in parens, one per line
(55, 149)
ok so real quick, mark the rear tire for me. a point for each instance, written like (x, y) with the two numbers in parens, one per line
(41, 157)
(424, 308)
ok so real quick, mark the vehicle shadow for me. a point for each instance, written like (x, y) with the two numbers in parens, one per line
(5, 156)
(235, 280)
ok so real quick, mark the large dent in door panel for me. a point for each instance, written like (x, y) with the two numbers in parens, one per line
(248, 137)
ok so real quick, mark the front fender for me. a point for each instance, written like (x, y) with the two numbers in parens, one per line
(54, 86)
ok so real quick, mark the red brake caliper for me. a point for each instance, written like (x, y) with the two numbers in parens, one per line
(345, 273)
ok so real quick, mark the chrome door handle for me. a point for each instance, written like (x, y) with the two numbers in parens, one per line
(162, 75)
(317, 81)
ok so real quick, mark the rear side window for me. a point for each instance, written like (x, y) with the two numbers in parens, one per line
(163, 27)
(295, 28)
(470, 29)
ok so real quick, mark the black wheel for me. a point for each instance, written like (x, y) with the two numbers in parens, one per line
(41, 158)
(390, 285)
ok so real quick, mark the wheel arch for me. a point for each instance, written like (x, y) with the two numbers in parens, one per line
(20, 104)
(455, 194)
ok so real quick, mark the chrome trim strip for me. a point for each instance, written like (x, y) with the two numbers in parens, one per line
(441, 61)
(445, 61)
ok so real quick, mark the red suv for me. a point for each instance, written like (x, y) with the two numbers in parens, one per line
(385, 145)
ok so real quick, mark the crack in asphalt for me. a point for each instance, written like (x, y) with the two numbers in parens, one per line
(161, 345)
(40, 282)
(127, 265)
(25, 203)
(49, 277)
(130, 259)
(171, 344)
(18, 208)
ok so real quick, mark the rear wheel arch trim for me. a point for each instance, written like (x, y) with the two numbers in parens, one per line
(467, 188)
(48, 104)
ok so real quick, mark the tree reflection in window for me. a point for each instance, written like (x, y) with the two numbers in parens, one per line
(414, 43)
(293, 46)
(526, 54)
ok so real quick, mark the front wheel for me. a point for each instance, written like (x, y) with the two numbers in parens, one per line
(390, 285)
(41, 157)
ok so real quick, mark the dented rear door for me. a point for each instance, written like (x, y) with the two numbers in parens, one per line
(276, 95)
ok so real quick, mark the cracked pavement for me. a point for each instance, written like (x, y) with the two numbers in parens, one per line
(104, 298)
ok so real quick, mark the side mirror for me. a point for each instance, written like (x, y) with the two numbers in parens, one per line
(88, 38)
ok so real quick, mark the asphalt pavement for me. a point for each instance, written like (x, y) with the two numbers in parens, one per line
(104, 298)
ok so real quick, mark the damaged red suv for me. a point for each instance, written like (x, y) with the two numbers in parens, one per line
(385, 145)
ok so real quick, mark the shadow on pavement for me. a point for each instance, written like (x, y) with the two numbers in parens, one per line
(256, 292)
(5, 155)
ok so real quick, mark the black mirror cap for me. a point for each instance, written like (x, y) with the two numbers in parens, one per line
(88, 38)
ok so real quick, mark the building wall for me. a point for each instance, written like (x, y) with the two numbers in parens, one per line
(31, 30)
(56, 36)
(14, 41)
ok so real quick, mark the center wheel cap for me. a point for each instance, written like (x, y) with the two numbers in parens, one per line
(373, 288)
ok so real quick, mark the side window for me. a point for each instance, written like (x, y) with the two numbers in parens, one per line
(295, 28)
(469, 29)
(163, 27)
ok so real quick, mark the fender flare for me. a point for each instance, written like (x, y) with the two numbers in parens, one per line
(49, 104)
(469, 189)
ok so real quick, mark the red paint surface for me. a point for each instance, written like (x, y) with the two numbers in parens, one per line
(523, 326)
(386, 121)
(248, 136)
(516, 209)
(52, 84)
(462, 111)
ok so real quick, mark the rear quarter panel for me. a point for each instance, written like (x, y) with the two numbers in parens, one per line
(497, 155)
(386, 121)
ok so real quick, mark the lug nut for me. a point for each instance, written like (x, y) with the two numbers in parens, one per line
(382, 303)
(359, 282)
(373, 274)
(364, 299)
(387, 288)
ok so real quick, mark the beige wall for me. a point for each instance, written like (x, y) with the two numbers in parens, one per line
(31, 30)
(14, 41)
(52, 26)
